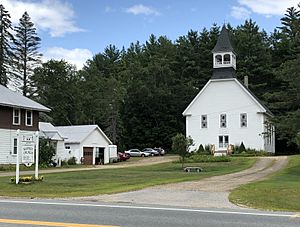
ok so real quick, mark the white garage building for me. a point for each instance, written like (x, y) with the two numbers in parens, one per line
(87, 143)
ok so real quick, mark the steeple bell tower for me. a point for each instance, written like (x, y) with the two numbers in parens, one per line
(224, 58)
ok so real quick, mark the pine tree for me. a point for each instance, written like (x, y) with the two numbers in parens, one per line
(26, 52)
(6, 42)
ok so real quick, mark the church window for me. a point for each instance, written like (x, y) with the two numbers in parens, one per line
(223, 141)
(203, 121)
(218, 59)
(243, 119)
(223, 123)
(226, 59)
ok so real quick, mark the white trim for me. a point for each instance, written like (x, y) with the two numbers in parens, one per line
(19, 117)
(254, 99)
(185, 112)
(101, 132)
(194, 100)
(27, 117)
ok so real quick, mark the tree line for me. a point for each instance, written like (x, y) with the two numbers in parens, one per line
(18, 52)
(137, 95)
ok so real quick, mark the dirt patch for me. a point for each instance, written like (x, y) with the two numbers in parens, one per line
(210, 192)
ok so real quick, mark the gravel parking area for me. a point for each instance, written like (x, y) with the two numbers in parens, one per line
(207, 193)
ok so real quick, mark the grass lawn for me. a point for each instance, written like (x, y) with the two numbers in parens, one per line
(280, 192)
(95, 182)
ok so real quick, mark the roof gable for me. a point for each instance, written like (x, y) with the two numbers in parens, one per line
(243, 88)
(16, 100)
(48, 131)
(78, 133)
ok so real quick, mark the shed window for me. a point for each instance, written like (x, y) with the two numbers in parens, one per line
(243, 119)
(203, 121)
(28, 119)
(16, 116)
(223, 123)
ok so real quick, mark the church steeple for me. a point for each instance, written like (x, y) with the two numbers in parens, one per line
(224, 59)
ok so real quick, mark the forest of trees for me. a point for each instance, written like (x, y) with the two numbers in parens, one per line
(137, 95)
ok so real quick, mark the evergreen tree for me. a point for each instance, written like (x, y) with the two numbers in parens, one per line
(6, 45)
(57, 84)
(26, 52)
(253, 57)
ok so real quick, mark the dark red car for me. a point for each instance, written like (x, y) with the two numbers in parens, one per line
(123, 156)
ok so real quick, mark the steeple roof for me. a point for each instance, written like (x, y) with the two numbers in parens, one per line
(223, 43)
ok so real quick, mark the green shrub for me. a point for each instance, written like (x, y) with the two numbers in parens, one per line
(251, 152)
(72, 161)
(203, 151)
(241, 148)
(64, 163)
(207, 158)
(207, 149)
(46, 151)
(200, 149)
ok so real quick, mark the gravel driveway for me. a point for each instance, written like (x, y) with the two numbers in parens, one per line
(141, 162)
(210, 192)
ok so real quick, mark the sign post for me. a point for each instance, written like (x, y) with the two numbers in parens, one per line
(36, 155)
(26, 148)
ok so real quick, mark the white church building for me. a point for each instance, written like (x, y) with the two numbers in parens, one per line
(225, 112)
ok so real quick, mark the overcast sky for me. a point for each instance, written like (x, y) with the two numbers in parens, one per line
(75, 30)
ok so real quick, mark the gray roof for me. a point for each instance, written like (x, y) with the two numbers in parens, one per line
(17, 100)
(223, 43)
(223, 73)
(47, 130)
(77, 133)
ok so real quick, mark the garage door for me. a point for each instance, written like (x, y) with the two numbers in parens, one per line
(87, 155)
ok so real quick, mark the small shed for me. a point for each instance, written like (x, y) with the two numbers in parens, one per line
(88, 144)
(48, 131)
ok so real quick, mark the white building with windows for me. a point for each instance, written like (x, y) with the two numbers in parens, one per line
(225, 112)
(16, 113)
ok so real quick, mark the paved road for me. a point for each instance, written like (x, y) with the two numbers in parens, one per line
(58, 213)
(141, 162)
(209, 192)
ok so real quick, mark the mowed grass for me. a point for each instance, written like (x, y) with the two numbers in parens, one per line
(280, 192)
(95, 182)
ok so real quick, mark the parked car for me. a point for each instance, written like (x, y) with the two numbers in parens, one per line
(160, 150)
(151, 151)
(123, 156)
(137, 153)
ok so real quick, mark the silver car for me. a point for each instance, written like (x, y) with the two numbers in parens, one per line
(137, 153)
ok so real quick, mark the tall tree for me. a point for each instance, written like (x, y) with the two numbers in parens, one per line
(254, 57)
(57, 84)
(26, 52)
(6, 45)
